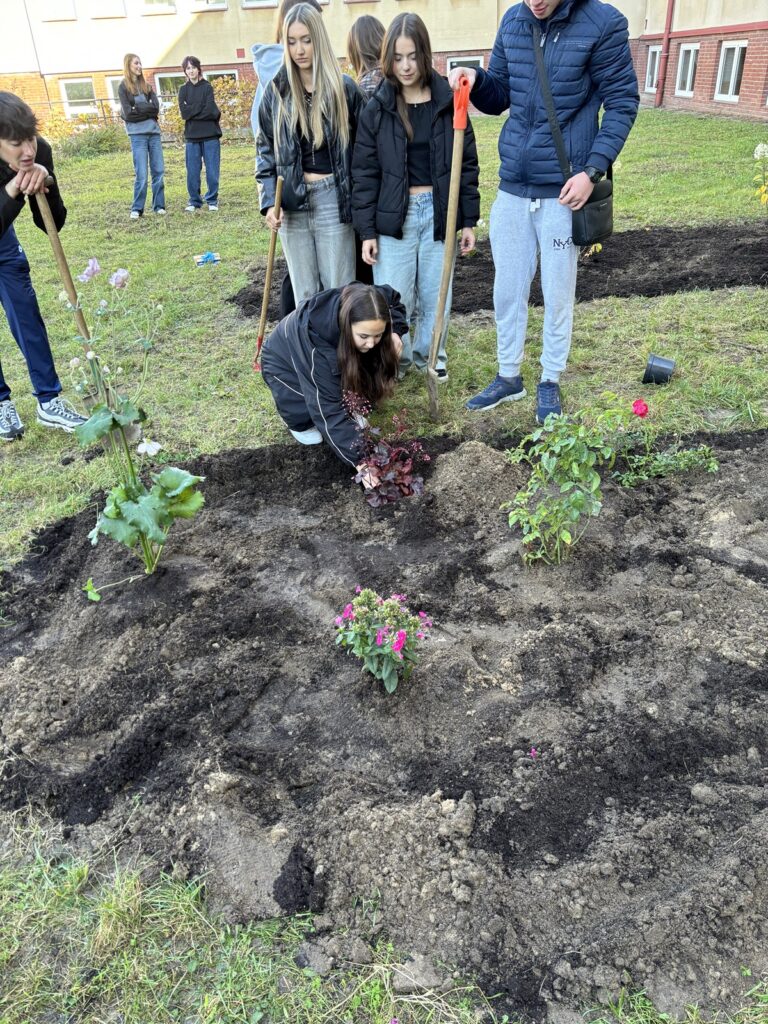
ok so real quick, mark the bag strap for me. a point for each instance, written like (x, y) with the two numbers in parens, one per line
(549, 103)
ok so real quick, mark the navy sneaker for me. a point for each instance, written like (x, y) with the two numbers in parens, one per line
(547, 400)
(498, 391)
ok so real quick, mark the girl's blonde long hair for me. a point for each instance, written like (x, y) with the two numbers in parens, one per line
(131, 82)
(329, 101)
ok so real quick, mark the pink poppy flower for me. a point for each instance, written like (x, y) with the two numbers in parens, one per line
(399, 642)
(90, 271)
(120, 278)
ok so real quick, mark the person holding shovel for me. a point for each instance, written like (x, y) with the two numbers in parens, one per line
(26, 164)
(401, 170)
(307, 124)
(341, 341)
(586, 54)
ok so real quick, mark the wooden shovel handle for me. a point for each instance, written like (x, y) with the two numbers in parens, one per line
(61, 261)
(270, 262)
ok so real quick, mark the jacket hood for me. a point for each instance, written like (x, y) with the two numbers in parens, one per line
(321, 315)
(442, 94)
(267, 58)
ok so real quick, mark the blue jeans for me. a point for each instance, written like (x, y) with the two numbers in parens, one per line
(196, 153)
(525, 233)
(413, 266)
(20, 304)
(319, 249)
(148, 148)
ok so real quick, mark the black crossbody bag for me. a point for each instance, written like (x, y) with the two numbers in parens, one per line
(594, 221)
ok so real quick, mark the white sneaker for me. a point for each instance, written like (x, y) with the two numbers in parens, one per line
(160, 212)
(11, 426)
(213, 207)
(311, 436)
(60, 414)
(135, 214)
(189, 208)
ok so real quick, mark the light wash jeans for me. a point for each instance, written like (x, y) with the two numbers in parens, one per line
(413, 266)
(319, 249)
(522, 231)
(196, 153)
(145, 148)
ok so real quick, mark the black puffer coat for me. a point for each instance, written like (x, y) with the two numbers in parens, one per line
(285, 159)
(380, 166)
(300, 365)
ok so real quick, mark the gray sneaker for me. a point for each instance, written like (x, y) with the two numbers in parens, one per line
(60, 414)
(11, 426)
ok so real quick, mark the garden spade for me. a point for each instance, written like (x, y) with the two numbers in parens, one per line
(460, 108)
(268, 276)
(61, 261)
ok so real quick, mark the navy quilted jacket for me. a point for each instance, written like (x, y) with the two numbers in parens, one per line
(589, 65)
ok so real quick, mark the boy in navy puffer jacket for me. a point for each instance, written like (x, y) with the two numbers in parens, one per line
(589, 65)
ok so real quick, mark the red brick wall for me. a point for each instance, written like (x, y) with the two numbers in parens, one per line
(754, 83)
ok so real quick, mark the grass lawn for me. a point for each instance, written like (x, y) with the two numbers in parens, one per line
(202, 395)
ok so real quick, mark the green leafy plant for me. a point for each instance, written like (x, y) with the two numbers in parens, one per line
(648, 465)
(761, 174)
(94, 140)
(383, 633)
(564, 487)
(136, 514)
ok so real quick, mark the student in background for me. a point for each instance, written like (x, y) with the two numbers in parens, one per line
(25, 164)
(401, 170)
(267, 59)
(140, 109)
(308, 119)
(364, 52)
(202, 135)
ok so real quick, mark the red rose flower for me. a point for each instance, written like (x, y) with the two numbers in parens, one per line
(640, 408)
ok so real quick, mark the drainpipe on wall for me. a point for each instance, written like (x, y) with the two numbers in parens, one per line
(664, 54)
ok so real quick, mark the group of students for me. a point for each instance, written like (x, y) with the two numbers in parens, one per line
(366, 168)
(140, 110)
(371, 172)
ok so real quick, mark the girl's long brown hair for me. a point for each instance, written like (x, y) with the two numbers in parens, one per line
(364, 44)
(283, 10)
(371, 374)
(132, 83)
(412, 27)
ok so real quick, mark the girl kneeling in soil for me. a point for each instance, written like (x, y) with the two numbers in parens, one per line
(307, 123)
(401, 169)
(340, 340)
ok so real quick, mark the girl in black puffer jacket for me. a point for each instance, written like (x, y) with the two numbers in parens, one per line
(341, 340)
(401, 170)
(307, 120)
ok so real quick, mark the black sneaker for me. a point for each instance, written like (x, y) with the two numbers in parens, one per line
(547, 400)
(58, 413)
(11, 426)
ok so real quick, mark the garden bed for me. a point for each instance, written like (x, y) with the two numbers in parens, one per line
(569, 794)
(648, 261)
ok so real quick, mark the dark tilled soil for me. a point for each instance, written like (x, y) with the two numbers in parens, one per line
(651, 261)
(205, 716)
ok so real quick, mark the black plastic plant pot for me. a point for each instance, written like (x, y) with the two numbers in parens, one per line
(658, 370)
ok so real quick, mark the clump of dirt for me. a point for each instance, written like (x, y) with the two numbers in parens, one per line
(567, 796)
(648, 261)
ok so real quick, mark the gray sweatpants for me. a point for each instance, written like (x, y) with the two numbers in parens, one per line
(522, 231)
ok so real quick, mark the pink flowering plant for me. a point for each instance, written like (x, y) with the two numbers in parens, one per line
(384, 633)
(387, 468)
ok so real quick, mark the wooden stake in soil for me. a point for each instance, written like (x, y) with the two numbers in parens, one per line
(460, 107)
(268, 276)
(61, 261)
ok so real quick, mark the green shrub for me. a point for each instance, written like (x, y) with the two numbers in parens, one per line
(89, 142)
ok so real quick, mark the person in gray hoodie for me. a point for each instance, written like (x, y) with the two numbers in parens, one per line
(267, 60)
(140, 109)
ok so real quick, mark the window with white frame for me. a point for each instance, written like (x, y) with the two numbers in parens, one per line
(652, 70)
(730, 71)
(213, 75)
(158, 7)
(463, 62)
(53, 10)
(78, 95)
(107, 9)
(269, 3)
(686, 69)
(113, 85)
(209, 5)
(168, 88)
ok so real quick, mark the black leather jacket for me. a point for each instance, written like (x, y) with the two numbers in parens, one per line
(283, 156)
